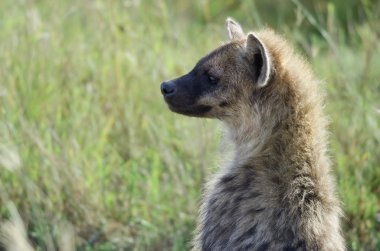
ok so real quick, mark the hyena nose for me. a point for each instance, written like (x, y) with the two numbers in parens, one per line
(168, 88)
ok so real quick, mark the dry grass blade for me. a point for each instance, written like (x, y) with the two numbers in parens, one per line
(13, 235)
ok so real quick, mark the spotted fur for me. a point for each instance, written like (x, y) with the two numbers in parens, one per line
(277, 193)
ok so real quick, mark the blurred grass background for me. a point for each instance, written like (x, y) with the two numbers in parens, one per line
(89, 150)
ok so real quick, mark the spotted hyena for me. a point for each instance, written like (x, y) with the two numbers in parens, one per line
(277, 193)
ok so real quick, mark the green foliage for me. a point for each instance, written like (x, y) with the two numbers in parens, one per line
(87, 142)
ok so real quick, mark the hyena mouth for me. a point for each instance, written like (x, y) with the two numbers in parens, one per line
(181, 99)
(195, 111)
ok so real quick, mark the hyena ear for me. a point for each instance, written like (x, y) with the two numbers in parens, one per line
(259, 59)
(235, 31)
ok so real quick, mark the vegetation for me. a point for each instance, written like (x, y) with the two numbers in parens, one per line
(91, 157)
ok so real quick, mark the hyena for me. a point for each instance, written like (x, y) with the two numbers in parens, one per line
(277, 193)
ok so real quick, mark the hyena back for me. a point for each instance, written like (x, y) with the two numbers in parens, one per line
(277, 193)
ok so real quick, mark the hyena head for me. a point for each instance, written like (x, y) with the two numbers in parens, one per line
(222, 82)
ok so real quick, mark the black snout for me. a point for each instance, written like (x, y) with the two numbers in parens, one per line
(168, 88)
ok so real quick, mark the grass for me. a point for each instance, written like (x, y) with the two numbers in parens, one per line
(89, 150)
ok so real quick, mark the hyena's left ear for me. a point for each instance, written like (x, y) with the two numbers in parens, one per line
(235, 31)
(259, 59)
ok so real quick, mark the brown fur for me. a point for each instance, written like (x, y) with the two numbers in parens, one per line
(277, 193)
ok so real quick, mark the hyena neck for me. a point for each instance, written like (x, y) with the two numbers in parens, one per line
(288, 135)
(248, 138)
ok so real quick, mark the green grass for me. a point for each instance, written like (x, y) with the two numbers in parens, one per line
(87, 145)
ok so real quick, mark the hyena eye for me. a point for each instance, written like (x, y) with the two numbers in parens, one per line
(212, 79)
